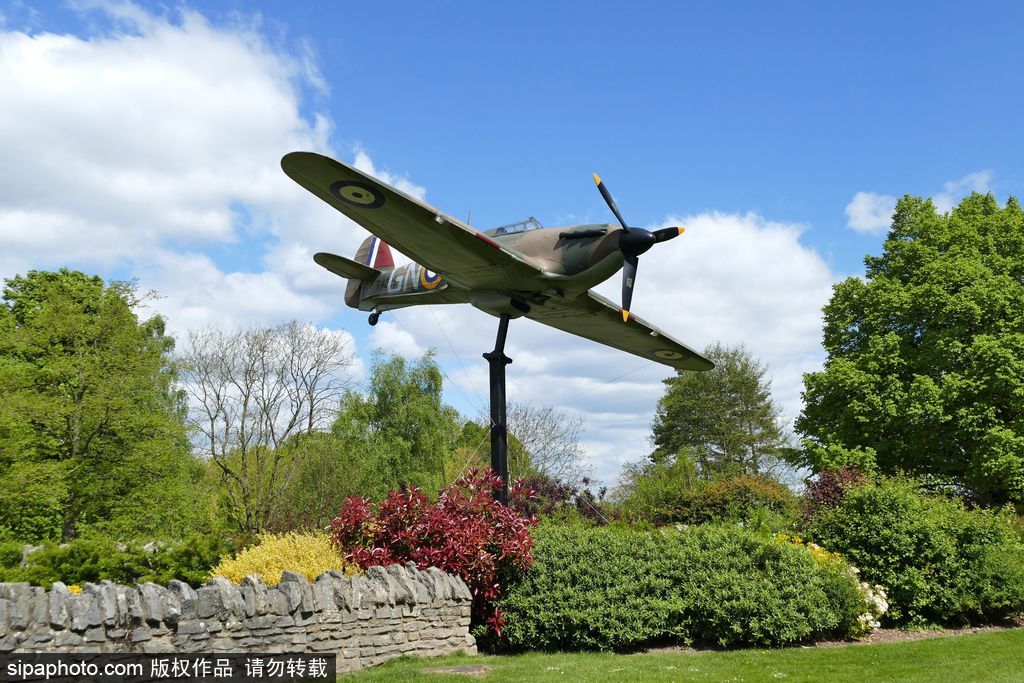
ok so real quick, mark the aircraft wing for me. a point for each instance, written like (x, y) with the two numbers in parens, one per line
(421, 232)
(598, 319)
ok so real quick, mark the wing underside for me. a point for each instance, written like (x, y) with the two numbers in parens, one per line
(593, 317)
(431, 238)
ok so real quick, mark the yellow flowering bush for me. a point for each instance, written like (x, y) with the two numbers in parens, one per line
(310, 554)
(874, 597)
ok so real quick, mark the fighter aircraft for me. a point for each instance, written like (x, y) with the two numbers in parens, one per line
(521, 269)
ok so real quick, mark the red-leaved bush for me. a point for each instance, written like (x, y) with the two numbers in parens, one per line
(829, 487)
(463, 532)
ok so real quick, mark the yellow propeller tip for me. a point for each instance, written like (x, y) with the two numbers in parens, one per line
(597, 179)
(681, 230)
(625, 315)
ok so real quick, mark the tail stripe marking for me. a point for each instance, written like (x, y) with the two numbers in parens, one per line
(372, 255)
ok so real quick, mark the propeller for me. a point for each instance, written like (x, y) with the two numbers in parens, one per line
(632, 243)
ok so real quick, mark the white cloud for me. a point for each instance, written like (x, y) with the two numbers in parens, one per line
(365, 164)
(154, 151)
(954, 190)
(870, 212)
(738, 279)
(394, 339)
(140, 148)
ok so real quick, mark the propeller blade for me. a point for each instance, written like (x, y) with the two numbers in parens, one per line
(628, 280)
(610, 202)
(665, 234)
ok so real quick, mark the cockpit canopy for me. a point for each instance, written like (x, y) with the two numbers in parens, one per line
(530, 223)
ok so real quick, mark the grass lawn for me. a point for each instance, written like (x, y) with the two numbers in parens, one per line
(989, 656)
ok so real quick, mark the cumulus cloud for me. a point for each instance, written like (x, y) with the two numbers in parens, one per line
(954, 190)
(152, 149)
(870, 212)
(153, 143)
(737, 279)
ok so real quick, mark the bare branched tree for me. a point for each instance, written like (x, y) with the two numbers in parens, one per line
(551, 439)
(251, 393)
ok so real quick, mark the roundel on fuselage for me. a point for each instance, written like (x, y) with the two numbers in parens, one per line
(429, 279)
(359, 194)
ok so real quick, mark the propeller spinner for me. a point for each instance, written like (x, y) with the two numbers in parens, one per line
(632, 243)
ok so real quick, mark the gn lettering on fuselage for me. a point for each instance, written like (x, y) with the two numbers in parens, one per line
(407, 279)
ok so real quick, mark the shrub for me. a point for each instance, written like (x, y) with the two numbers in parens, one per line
(546, 497)
(95, 559)
(829, 487)
(463, 532)
(940, 562)
(310, 553)
(662, 497)
(609, 588)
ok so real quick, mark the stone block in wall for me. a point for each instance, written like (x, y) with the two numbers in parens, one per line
(17, 596)
(187, 598)
(442, 586)
(254, 593)
(342, 590)
(232, 606)
(57, 609)
(4, 616)
(151, 601)
(403, 592)
(323, 593)
(427, 588)
(105, 595)
(277, 603)
(84, 611)
(129, 595)
(300, 593)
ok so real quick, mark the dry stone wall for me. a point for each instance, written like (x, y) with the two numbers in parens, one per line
(363, 619)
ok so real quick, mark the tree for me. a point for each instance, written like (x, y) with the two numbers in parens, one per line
(925, 358)
(402, 423)
(252, 394)
(92, 434)
(724, 419)
(551, 439)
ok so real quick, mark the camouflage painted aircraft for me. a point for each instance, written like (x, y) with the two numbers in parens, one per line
(522, 269)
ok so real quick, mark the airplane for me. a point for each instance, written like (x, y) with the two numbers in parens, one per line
(516, 270)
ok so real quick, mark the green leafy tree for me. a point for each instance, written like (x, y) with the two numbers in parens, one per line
(403, 418)
(724, 419)
(925, 359)
(92, 435)
(396, 432)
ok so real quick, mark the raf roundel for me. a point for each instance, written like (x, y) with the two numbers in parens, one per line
(668, 355)
(429, 279)
(358, 194)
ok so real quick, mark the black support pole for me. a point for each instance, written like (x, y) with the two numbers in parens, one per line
(497, 360)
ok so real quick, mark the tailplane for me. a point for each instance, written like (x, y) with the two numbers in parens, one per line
(372, 259)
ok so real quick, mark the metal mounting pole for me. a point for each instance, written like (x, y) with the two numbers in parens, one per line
(497, 360)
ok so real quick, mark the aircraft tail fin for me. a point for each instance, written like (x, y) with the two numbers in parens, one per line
(375, 253)
(372, 258)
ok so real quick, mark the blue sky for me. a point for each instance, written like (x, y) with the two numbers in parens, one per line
(143, 140)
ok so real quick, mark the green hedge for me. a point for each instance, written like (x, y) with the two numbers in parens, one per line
(939, 562)
(660, 497)
(611, 588)
(97, 559)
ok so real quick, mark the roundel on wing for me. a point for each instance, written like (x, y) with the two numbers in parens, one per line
(359, 194)
(668, 354)
(429, 279)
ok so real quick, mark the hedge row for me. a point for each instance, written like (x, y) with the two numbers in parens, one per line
(612, 588)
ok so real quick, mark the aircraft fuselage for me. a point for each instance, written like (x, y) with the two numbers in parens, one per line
(568, 266)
